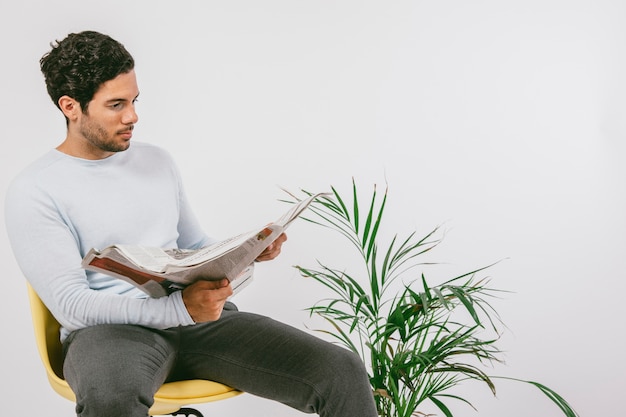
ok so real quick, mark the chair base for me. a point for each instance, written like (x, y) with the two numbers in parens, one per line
(187, 412)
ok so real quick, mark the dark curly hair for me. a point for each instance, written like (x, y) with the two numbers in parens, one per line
(79, 64)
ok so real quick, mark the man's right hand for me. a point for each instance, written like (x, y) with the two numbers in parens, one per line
(205, 299)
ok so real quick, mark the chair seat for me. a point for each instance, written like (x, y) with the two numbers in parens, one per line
(171, 396)
(192, 389)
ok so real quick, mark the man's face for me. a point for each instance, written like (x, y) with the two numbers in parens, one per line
(106, 127)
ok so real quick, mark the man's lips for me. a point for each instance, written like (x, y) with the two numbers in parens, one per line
(126, 133)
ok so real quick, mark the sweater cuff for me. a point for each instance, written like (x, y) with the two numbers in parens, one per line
(179, 305)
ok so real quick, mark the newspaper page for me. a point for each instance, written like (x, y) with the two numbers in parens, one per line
(159, 271)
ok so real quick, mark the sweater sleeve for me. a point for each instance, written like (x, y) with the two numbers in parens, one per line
(47, 250)
(190, 234)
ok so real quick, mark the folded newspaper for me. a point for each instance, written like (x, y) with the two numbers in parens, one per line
(159, 272)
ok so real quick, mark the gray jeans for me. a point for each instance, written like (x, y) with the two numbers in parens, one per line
(116, 369)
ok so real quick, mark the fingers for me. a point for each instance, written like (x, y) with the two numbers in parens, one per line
(205, 300)
(273, 250)
(212, 284)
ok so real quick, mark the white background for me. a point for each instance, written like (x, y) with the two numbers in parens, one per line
(502, 121)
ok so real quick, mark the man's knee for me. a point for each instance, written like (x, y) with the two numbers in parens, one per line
(113, 401)
(349, 365)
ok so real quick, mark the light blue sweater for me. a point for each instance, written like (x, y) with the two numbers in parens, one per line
(60, 207)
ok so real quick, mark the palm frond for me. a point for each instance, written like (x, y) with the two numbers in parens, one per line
(418, 343)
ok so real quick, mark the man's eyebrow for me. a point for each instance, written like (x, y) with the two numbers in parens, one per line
(118, 100)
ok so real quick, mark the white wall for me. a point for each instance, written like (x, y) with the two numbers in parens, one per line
(502, 120)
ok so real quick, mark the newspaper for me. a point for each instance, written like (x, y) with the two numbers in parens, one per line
(159, 272)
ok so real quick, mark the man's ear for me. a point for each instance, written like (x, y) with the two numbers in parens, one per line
(69, 107)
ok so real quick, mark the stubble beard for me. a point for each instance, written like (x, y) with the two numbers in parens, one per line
(98, 137)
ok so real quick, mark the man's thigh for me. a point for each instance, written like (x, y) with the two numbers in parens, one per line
(129, 358)
(261, 356)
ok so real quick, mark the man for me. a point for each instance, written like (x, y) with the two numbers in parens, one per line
(96, 189)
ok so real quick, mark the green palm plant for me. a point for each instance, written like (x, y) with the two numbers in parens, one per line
(417, 343)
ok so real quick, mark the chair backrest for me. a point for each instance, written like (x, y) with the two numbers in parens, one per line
(47, 335)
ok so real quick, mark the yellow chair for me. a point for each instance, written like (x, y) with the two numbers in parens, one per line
(169, 399)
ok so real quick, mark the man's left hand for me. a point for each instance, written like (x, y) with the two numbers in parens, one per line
(273, 250)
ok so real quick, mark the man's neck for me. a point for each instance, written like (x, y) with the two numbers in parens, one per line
(81, 149)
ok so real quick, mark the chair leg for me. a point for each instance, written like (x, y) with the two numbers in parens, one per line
(187, 412)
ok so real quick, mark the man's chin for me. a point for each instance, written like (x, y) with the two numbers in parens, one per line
(117, 147)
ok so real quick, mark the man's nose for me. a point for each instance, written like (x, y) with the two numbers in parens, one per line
(130, 117)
